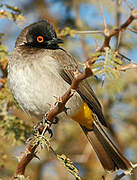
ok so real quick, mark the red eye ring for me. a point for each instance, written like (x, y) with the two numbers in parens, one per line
(40, 39)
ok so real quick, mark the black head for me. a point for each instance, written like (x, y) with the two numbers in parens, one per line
(42, 35)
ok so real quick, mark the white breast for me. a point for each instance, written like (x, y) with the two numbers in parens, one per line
(35, 85)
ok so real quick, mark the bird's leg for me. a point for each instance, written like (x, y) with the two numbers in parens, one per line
(46, 124)
(56, 120)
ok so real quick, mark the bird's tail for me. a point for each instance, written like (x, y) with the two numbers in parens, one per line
(109, 155)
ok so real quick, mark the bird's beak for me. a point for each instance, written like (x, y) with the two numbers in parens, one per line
(55, 41)
(59, 41)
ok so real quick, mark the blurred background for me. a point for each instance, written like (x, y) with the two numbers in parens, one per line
(117, 96)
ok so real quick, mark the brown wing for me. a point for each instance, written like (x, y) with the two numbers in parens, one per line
(85, 91)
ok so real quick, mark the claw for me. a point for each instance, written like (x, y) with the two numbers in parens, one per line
(43, 121)
(50, 132)
(36, 157)
(58, 99)
(66, 110)
(36, 128)
(55, 120)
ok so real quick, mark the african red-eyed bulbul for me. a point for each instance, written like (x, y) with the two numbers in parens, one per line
(39, 70)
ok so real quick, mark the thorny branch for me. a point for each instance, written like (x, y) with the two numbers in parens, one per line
(59, 106)
(108, 34)
(69, 93)
(88, 32)
(126, 67)
(28, 155)
(132, 30)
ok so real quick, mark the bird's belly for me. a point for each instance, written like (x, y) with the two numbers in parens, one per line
(35, 90)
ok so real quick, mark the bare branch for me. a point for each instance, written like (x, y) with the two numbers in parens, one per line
(102, 10)
(118, 40)
(118, 20)
(29, 154)
(113, 32)
(60, 106)
(132, 30)
(88, 32)
(127, 67)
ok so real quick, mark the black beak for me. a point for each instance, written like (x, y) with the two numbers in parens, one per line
(59, 41)
(55, 41)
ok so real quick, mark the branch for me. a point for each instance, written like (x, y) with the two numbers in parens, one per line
(60, 106)
(118, 20)
(127, 67)
(29, 154)
(88, 32)
(31, 151)
(132, 30)
(102, 11)
(109, 33)
(113, 32)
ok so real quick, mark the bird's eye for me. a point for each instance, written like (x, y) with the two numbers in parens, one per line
(40, 39)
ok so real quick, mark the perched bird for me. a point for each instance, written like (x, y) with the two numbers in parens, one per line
(39, 70)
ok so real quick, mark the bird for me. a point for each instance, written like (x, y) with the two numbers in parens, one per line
(39, 70)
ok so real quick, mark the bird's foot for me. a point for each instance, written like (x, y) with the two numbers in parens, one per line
(46, 125)
(48, 129)
(43, 126)
(56, 120)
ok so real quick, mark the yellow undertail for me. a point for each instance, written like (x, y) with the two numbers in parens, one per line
(84, 116)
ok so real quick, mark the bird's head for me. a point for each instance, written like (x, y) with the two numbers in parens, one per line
(41, 35)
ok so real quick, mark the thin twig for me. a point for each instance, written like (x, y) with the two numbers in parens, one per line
(118, 40)
(127, 67)
(113, 32)
(102, 10)
(132, 30)
(118, 19)
(89, 32)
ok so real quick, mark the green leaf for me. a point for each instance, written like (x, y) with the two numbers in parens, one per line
(69, 165)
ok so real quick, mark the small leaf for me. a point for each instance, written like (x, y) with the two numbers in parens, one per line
(69, 165)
